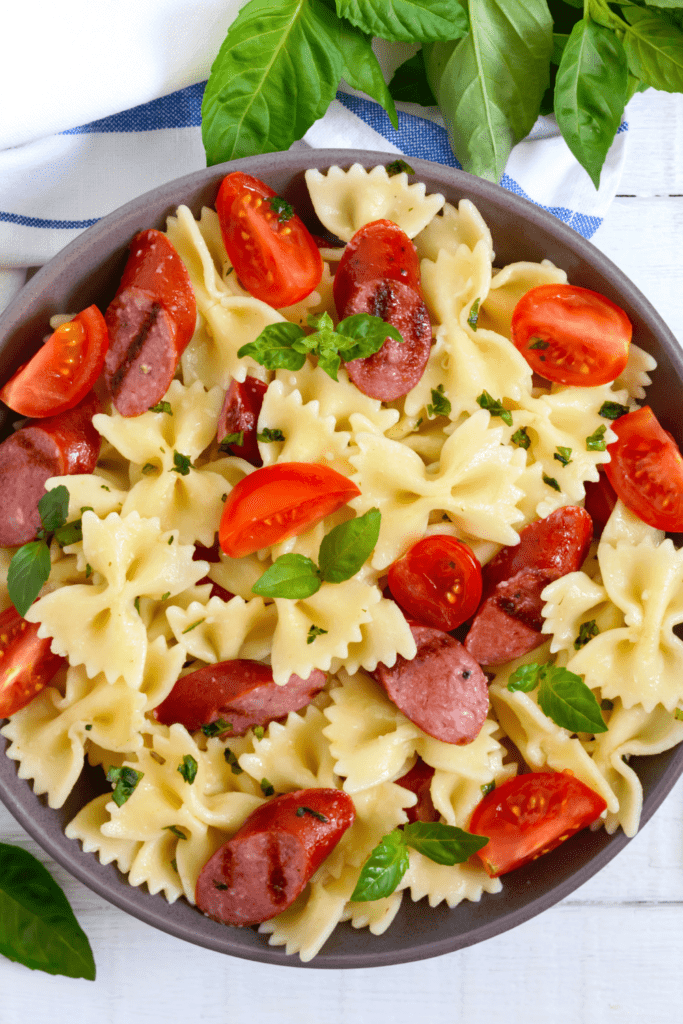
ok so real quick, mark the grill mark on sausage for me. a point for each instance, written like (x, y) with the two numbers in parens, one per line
(277, 880)
(37, 457)
(134, 349)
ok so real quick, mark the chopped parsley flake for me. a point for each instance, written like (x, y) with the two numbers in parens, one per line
(216, 728)
(188, 768)
(125, 780)
(267, 435)
(313, 632)
(232, 761)
(587, 631)
(440, 405)
(300, 811)
(551, 482)
(281, 208)
(162, 407)
(267, 787)
(612, 410)
(495, 407)
(521, 438)
(398, 167)
(181, 464)
(474, 315)
(193, 625)
(596, 442)
(563, 455)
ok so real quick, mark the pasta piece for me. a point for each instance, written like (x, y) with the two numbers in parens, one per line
(636, 375)
(446, 883)
(220, 631)
(453, 228)
(308, 436)
(339, 398)
(293, 754)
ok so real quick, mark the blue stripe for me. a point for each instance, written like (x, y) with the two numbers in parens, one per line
(181, 109)
(42, 222)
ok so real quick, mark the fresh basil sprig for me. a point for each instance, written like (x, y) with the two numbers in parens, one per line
(389, 861)
(37, 925)
(562, 696)
(284, 346)
(342, 553)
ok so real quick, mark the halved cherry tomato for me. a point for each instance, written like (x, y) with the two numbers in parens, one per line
(27, 664)
(437, 581)
(646, 470)
(62, 372)
(571, 335)
(272, 251)
(530, 815)
(239, 415)
(280, 501)
(380, 250)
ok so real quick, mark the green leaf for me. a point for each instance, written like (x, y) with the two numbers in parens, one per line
(563, 455)
(473, 318)
(383, 870)
(551, 482)
(216, 728)
(521, 438)
(444, 844)
(292, 576)
(345, 548)
(440, 405)
(362, 69)
(188, 768)
(587, 630)
(54, 508)
(37, 925)
(590, 93)
(231, 759)
(525, 678)
(275, 74)
(398, 167)
(162, 407)
(362, 335)
(406, 21)
(564, 697)
(267, 787)
(283, 209)
(125, 781)
(178, 833)
(236, 438)
(313, 632)
(181, 464)
(495, 407)
(268, 435)
(410, 84)
(490, 84)
(654, 47)
(273, 347)
(28, 571)
(71, 533)
(612, 410)
(596, 441)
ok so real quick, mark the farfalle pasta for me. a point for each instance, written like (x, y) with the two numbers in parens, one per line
(142, 596)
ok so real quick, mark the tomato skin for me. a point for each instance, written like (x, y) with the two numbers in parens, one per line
(280, 501)
(530, 815)
(240, 413)
(27, 663)
(380, 250)
(419, 780)
(646, 470)
(585, 335)
(62, 372)
(279, 261)
(600, 501)
(438, 581)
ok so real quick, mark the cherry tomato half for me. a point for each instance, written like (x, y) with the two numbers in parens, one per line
(280, 501)
(571, 335)
(272, 251)
(646, 470)
(437, 581)
(62, 372)
(27, 664)
(378, 251)
(530, 815)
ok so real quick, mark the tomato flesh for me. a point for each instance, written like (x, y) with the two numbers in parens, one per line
(646, 470)
(62, 372)
(27, 664)
(438, 581)
(274, 254)
(280, 501)
(530, 815)
(571, 335)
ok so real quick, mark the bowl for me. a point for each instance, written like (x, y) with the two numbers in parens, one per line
(87, 271)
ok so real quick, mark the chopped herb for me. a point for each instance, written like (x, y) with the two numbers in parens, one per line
(237, 439)
(267, 435)
(300, 811)
(193, 625)
(88, 727)
(596, 442)
(148, 468)
(86, 508)
(678, 714)
(563, 455)
(587, 631)
(188, 768)
(538, 343)
(88, 570)
(440, 404)
(474, 315)
(165, 597)
(313, 632)
(181, 464)
(162, 407)
(174, 865)
(224, 498)
(267, 787)
(220, 885)
(232, 761)
(175, 830)
(606, 705)
(551, 482)
(136, 604)
(71, 533)
(125, 780)
(281, 208)
(418, 424)
(398, 167)
(216, 728)
(612, 410)
(259, 732)
(495, 407)
(521, 438)
(487, 788)
(104, 487)
(170, 539)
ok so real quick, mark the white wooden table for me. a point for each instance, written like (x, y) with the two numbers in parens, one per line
(610, 952)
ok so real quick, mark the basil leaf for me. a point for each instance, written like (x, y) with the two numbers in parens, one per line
(362, 335)
(521, 438)
(71, 533)
(563, 455)
(28, 571)
(54, 508)
(398, 167)
(587, 630)
(283, 209)
(362, 70)
(564, 697)
(273, 347)
(270, 434)
(440, 405)
(38, 927)
(490, 84)
(473, 318)
(444, 844)
(525, 678)
(275, 74)
(406, 20)
(596, 441)
(231, 759)
(345, 548)
(654, 48)
(409, 83)
(383, 870)
(612, 410)
(188, 768)
(162, 407)
(181, 464)
(313, 632)
(495, 407)
(125, 781)
(590, 93)
(292, 576)
(551, 482)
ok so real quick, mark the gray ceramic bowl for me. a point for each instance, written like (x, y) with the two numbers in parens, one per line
(88, 271)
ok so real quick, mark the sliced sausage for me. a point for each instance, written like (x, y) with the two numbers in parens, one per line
(398, 366)
(419, 780)
(55, 446)
(380, 250)
(560, 541)
(442, 690)
(241, 692)
(155, 266)
(239, 415)
(269, 861)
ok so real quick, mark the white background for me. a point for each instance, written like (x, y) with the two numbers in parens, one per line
(610, 952)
